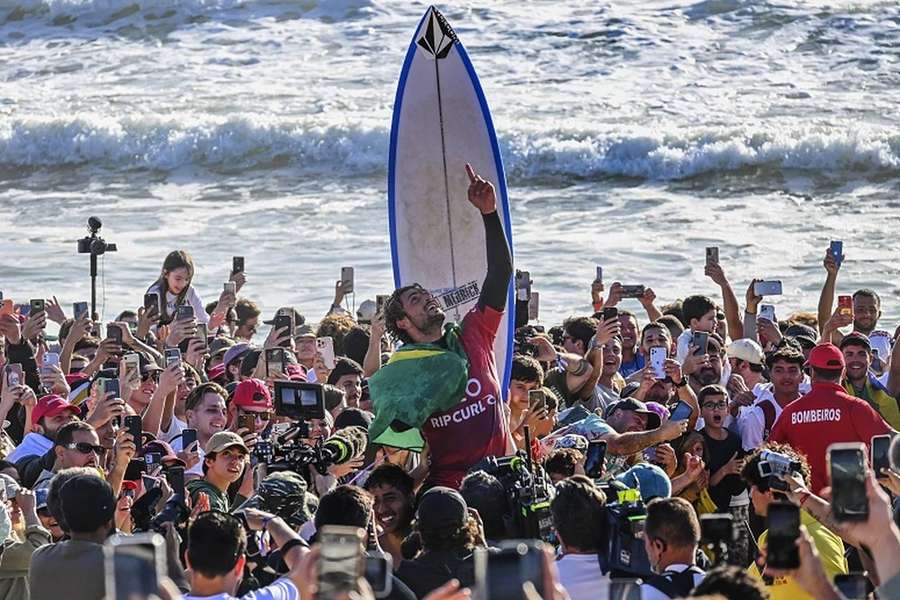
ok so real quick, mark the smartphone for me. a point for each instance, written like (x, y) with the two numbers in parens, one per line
(523, 285)
(203, 334)
(37, 305)
(767, 288)
(717, 528)
(610, 312)
(380, 301)
(325, 347)
(341, 560)
(50, 359)
(845, 304)
(274, 362)
(188, 439)
(767, 311)
(633, 291)
(114, 332)
(135, 428)
(7, 308)
(847, 469)
(230, 287)
(621, 588)
(347, 279)
(151, 302)
(153, 461)
(712, 255)
(378, 571)
(499, 572)
(111, 386)
(658, 356)
(534, 306)
(184, 312)
(237, 264)
(594, 459)
(173, 355)
(837, 251)
(15, 374)
(783, 522)
(700, 340)
(681, 412)
(285, 321)
(852, 586)
(80, 310)
(247, 422)
(881, 457)
(134, 565)
(135, 470)
(175, 477)
(599, 275)
(537, 401)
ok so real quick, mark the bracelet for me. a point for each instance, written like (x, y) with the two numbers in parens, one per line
(265, 523)
(682, 383)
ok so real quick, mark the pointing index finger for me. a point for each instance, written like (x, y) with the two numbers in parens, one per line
(473, 177)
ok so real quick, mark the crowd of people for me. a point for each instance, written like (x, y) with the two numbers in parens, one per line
(687, 452)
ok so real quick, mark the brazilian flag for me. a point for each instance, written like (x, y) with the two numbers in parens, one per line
(418, 381)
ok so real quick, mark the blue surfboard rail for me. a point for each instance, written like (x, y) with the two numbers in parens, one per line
(501, 183)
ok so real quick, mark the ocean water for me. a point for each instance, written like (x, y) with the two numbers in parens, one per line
(634, 134)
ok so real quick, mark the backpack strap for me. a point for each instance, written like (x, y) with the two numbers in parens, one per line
(674, 584)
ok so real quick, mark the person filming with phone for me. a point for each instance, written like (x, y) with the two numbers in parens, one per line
(465, 389)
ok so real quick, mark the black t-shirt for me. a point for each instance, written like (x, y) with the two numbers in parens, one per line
(431, 570)
(720, 452)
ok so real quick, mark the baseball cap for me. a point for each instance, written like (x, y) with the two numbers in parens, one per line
(746, 350)
(804, 334)
(442, 508)
(366, 311)
(10, 486)
(637, 406)
(235, 352)
(295, 372)
(147, 365)
(827, 357)
(50, 406)
(855, 338)
(87, 503)
(225, 439)
(220, 345)
(216, 372)
(571, 440)
(303, 331)
(252, 393)
(649, 479)
(166, 452)
(287, 310)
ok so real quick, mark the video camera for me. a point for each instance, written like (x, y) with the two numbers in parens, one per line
(774, 464)
(287, 451)
(146, 519)
(626, 515)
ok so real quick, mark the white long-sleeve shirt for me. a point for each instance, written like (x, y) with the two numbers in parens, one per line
(192, 298)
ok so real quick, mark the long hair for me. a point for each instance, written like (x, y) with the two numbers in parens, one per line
(176, 259)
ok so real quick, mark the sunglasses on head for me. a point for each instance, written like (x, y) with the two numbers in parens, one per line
(85, 448)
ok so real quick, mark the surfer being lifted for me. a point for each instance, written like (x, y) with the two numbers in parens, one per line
(453, 369)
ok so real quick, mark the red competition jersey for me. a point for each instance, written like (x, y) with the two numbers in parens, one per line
(476, 427)
(824, 416)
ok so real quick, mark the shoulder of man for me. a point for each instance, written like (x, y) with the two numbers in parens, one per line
(281, 589)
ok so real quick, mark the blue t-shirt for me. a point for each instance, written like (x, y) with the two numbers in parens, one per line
(634, 366)
(283, 589)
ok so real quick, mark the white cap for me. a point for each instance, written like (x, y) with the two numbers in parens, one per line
(366, 311)
(747, 350)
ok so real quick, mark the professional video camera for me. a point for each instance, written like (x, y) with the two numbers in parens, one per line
(287, 452)
(626, 516)
(528, 491)
(774, 464)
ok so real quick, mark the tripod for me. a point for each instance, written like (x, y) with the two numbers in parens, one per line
(94, 245)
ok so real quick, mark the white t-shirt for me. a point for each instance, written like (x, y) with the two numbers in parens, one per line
(32, 444)
(752, 419)
(283, 589)
(580, 574)
(176, 426)
(651, 593)
(192, 298)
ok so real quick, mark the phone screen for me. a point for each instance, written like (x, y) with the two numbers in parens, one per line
(700, 340)
(188, 439)
(847, 467)
(114, 332)
(341, 560)
(784, 528)
(681, 412)
(593, 462)
(134, 565)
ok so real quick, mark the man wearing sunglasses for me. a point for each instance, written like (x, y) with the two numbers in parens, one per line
(251, 398)
(77, 445)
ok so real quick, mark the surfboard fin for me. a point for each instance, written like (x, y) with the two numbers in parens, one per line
(439, 37)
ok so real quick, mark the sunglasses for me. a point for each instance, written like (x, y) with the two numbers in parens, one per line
(85, 448)
(262, 416)
(154, 375)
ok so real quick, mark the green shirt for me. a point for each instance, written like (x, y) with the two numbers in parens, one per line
(218, 500)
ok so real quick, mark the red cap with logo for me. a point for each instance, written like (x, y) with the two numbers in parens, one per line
(252, 393)
(827, 357)
(50, 406)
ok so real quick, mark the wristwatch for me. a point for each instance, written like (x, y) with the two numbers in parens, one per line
(682, 384)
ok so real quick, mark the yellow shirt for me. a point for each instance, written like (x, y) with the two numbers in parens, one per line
(878, 398)
(831, 553)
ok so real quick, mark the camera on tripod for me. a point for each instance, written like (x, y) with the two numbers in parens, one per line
(94, 244)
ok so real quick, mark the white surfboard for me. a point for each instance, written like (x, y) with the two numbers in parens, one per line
(441, 121)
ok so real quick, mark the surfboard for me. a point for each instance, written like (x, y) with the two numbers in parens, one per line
(441, 121)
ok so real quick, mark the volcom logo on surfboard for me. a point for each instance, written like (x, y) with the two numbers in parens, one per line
(439, 36)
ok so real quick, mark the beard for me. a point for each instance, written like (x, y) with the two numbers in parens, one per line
(708, 376)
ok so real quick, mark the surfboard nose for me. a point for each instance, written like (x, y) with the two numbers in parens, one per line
(438, 37)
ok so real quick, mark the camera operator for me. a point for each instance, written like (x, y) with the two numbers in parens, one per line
(579, 516)
(829, 545)
(392, 489)
(216, 556)
(671, 538)
(224, 462)
(484, 493)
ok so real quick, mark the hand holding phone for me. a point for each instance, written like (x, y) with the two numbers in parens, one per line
(767, 288)
(783, 522)
(847, 468)
(658, 356)
(594, 459)
(237, 264)
(712, 255)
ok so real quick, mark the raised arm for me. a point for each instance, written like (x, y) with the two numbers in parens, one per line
(730, 304)
(826, 298)
(499, 259)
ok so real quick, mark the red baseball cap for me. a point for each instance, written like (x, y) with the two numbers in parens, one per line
(50, 406)
(827, 357)
(295, 372)
(252, 393)
(216, 372)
